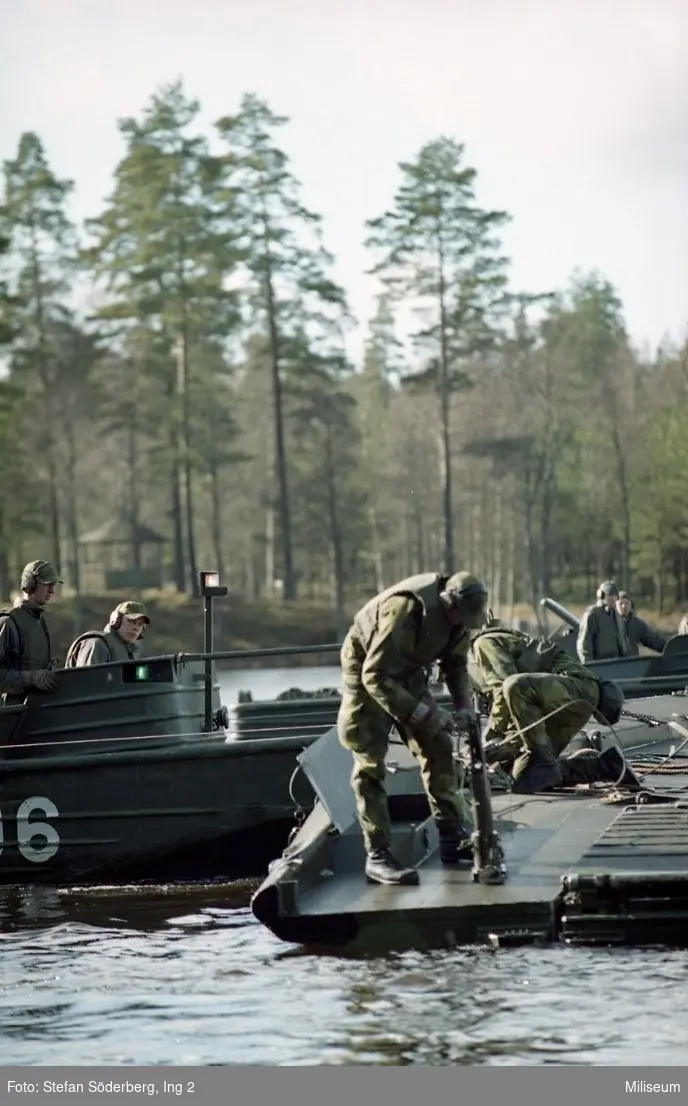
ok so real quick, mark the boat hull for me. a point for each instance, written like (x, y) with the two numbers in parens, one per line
(195, 810)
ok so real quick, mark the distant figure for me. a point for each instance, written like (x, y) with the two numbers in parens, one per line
(683, 625)
(524, 680)
(26, 656)
(638, 631)
(385, 655)
(602, 633)
(118, 641)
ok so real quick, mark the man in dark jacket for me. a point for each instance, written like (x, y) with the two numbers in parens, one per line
(117, 642)
(638, 631)
(602, 632)
(26, 659)
(385, 658)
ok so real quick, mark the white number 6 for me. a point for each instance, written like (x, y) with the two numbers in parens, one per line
(27, 831)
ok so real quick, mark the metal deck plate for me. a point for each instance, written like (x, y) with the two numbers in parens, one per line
(642, 838)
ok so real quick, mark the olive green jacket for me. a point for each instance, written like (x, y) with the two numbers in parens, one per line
(396, 636)
(24, 644)
(102, 648)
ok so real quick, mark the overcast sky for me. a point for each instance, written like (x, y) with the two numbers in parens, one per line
(574, 112)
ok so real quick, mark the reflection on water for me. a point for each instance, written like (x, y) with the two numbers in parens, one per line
(185, 975)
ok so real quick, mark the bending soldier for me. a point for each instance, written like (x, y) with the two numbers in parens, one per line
(26, 656)
(638, 631)
(385, 655)
(117, 642)
(527, 679)
(602, 632)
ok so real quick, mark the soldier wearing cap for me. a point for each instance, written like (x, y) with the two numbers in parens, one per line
(385, 657)
(638, 631)
(26, 656)
(118, 641)
(602, 632)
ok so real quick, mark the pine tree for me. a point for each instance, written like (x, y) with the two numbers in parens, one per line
(41, 247)
(164, 251)
(438, 249)
(289, 288)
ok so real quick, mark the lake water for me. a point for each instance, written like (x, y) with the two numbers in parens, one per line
(174, 976)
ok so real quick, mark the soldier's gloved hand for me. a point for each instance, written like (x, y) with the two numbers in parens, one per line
(439, 721)
(42, 679)
(431, 720)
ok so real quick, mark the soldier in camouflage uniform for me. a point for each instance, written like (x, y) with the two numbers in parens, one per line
(385, 656)
(526, 679)
(117, 642)
(26, 659)
(602, 632)
(638, 631)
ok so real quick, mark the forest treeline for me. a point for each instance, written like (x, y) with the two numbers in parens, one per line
(179, 362)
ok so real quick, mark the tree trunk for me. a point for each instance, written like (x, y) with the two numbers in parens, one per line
(270, 552)
(186, 491)
(289, 590)
(73, 526)
(216, 519)
(444, 417)
(48, 431)
(335, 532)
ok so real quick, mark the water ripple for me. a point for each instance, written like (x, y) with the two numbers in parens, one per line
(161, 977)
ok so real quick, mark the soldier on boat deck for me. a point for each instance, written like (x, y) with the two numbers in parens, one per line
(118, 641)
(602, 633)
(638, 631)
(26, 656)
(527, 679)
(385, 657)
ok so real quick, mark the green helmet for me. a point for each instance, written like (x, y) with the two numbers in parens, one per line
(467, 594)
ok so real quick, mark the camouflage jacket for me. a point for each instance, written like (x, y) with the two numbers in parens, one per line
(398, 634)
(496, 654)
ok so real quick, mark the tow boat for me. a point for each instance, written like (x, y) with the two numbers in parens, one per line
(132, 771)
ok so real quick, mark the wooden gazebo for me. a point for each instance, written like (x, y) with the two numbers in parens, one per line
(121, 556)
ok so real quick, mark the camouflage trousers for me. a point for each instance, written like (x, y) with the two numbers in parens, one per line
(364, 728)
(530, 697)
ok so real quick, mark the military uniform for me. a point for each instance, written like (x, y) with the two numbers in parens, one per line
(385, 656)
(602, 635)
(26, 657)
(104, 647)
(526, 679)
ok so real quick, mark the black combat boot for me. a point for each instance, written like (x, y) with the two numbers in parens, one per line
(382, 867)
(455, 844)
(614, 768)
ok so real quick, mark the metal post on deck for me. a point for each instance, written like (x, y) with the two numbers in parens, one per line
(488, 856)
(209, 588)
